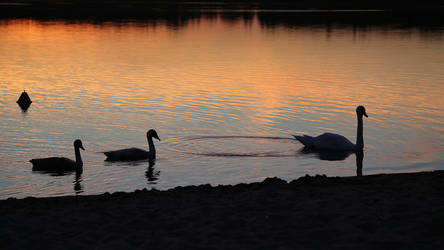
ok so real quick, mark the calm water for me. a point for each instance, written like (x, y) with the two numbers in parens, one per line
(225, 95)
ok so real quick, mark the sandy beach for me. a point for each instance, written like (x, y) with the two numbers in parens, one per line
(387, 211)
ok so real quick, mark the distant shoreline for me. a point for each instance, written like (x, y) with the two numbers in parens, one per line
(137, 7)
(427, 14)
(300, 4)
(391, 211)
(427, 18)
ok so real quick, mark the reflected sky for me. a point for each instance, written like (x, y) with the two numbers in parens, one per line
(108, 83)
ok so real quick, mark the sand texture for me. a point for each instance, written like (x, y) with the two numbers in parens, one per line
(394, 211)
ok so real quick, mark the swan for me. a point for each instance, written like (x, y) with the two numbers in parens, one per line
(134, 154)
(335, 142)
(60, 164)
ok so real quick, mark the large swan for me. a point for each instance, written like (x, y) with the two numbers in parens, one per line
(134, 154)
(329, 141)
(60, 164)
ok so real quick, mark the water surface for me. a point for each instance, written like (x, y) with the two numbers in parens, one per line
(225, 93)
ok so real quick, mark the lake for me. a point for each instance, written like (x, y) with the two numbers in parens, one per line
(224, 91)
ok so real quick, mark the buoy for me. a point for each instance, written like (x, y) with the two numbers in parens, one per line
(24, 101)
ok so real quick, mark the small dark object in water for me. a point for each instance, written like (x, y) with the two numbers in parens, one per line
(24, 101)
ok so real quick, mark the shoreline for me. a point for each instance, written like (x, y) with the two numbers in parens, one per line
(141, 9)
(427, 18)
(376, 211)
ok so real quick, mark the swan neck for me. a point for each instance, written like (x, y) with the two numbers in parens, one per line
(359, 159)
(360, 134)
(151, 146)
(79, 162)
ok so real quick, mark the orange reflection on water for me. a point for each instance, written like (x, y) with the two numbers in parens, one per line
(219, 64)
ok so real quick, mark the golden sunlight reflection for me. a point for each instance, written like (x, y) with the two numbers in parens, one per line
(210, 61)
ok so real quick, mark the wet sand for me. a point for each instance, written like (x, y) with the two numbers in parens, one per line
(393, 211)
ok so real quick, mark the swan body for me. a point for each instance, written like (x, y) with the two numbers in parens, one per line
(326, 141)
(60, 164)
(128, 154)
(335, 142)
(135, 154)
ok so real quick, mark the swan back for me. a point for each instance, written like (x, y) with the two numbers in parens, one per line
(53, 164)
(326, 141)
(127, 154)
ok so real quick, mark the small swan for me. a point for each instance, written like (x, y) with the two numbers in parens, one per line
(134, 154)
(60, 164)
(335, 142)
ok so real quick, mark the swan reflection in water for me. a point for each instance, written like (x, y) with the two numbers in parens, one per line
(151, 174)
(77, 182)
(78, 187)
(327, 155)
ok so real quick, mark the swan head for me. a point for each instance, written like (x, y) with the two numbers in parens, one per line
(78, 144)
(360, 110)
(152, 133)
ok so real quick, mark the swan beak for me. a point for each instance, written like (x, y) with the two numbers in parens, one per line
(81, 146)
(157, 137)
(365, 114)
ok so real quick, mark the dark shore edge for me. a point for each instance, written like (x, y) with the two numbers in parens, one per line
(320, 181)
(383, 211)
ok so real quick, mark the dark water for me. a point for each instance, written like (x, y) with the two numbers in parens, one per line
(224, 90)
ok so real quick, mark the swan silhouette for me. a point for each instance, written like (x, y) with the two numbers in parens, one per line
(335, 142)
(60, 164)
(134, 154)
